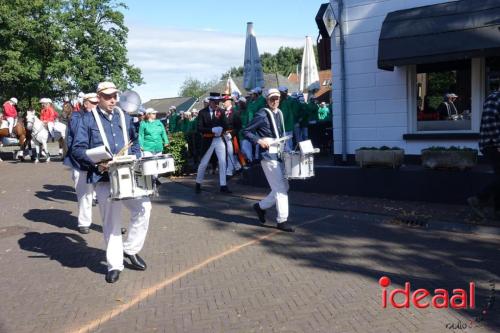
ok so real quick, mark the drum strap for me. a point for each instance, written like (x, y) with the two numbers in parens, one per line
(101, 129)
(275, 128)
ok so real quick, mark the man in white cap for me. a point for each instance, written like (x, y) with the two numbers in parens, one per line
(84, 191)
(267, 126)
(212, 125)
(109, 126)
(447, 109)
(48, 115)
(10, 114)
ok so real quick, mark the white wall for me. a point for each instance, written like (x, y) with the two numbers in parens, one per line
(377, 100)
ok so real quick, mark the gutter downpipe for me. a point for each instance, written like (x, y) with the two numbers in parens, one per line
(343, 110)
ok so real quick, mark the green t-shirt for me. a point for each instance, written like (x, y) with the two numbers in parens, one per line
(172, 123)
(152, 136)
(324, 114)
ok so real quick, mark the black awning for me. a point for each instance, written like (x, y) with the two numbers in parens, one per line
(443, 32)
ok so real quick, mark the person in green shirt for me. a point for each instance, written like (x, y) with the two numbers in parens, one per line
(289, 110)
(324, 114)
(172, 119)
(301, 132)
(152, 135)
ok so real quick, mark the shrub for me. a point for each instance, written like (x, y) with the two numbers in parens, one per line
(178, 149)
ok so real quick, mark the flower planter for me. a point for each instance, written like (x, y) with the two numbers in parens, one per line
(449, 159)
(374, 157)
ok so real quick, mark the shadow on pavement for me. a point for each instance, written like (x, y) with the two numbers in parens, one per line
(58, 218)
(57, 192)
(69, 250)
(358, 244)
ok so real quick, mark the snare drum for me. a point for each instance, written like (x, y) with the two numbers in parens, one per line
(297, 165)
(126, 183)
(154, 165)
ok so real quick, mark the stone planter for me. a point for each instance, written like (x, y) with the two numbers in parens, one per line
(374, 157)
(449, 159)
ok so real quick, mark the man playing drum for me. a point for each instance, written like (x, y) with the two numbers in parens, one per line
(267, 126)
(105, 125)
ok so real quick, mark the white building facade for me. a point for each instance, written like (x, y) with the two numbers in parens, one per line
(403, 107)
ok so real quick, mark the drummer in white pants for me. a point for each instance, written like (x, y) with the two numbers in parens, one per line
(84, 191)
(212, 125)
(109, 126)
(267, 126)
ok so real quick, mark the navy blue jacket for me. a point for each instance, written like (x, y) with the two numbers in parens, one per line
(88, 136)
(261, 127)
(74, 123)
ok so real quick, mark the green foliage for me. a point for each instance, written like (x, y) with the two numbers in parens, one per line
(53, 48)
(234, 72)
(195, 88)
(452, 148)
(178, 148)
(380, 148)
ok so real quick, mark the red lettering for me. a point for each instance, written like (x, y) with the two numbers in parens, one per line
(458, 295)
(472, 295)
(416, 298)
(440, 294)
(405, 292)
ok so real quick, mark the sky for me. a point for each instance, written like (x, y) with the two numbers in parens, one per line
(173, 40)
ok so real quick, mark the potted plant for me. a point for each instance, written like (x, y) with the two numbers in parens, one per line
(449, 158)
(382, 156)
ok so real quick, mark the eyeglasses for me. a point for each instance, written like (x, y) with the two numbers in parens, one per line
(108, 97)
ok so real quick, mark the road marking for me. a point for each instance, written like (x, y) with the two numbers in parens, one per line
(155, 288)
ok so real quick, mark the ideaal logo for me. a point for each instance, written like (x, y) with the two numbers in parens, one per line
(460, 298)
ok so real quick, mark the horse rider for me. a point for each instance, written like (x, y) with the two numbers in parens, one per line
(84, 191)
(10, 114)
(109, 126)
(212, 125)
(48, 115)
(267, 126)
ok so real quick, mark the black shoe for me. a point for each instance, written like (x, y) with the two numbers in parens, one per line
(157, 182)
(197, 189)
(112, 276)
(123, 231)
(284, 226)
(94, 202)
(224, 189)
(136, 261)
(261, 213)
(83, 230)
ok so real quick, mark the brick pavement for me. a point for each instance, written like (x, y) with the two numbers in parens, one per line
(323, 278)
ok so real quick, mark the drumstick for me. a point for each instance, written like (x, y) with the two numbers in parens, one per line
(124, 150)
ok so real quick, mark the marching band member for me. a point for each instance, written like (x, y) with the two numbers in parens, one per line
(84, 191)
(104, 127)
(233, 126)
(10, 114)
(212, 125)
(266, 126)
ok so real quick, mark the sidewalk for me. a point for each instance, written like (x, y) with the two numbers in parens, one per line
(412, 213)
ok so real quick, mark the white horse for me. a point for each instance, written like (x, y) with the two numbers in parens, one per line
(40, 134)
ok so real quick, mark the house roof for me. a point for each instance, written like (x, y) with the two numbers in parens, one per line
(162, 105)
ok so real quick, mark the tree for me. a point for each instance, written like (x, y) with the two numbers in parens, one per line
(195, 88)
(53, 48)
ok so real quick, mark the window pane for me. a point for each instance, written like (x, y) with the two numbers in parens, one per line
(444, 97)
(492, 74)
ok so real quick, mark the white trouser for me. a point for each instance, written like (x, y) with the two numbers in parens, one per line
(50, 127)
(246, 148)
(279, 189)
(12, 122)
(289, 142)
(232, 161)
(111, 214)
(301, 134)
(220, 151)
(84, 195)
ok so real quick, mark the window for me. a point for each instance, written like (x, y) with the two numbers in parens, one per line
(444, 96)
